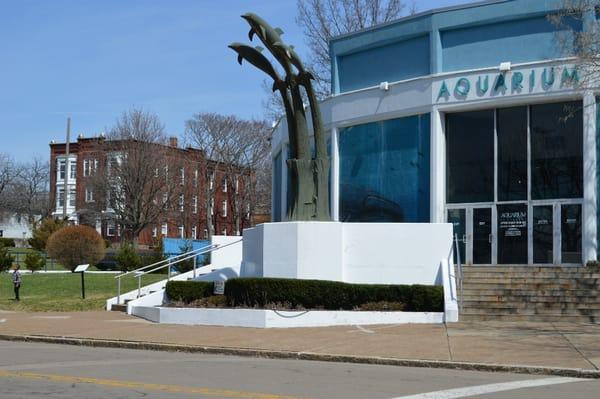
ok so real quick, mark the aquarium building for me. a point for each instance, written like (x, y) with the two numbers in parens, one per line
(471, 115)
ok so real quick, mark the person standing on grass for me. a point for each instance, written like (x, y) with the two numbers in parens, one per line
(16, 278)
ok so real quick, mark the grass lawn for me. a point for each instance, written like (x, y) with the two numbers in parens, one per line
(42, 292)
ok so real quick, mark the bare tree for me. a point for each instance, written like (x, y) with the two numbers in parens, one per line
(578, 35)
(7, 173)
(232, 149)
(322, 20)
(137, 185)
(29, 193)
(246, 164)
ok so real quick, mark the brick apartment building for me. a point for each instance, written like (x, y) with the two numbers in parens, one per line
(187, 215)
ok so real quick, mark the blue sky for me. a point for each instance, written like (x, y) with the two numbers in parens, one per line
(93, 59)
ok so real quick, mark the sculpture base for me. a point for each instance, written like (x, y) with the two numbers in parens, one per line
(384, 253)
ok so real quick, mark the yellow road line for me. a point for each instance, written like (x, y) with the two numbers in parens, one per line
(140, 385)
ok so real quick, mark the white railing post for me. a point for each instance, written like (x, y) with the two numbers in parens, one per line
(195, 261)
(139, 285)
(169, 270)
(118, 290)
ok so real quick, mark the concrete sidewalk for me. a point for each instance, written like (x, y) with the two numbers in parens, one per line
(547, 345)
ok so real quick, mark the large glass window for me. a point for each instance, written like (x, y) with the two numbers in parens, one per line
(557, 150)
(384, 171)
(470, 157)
(276, 216)
(512, 154)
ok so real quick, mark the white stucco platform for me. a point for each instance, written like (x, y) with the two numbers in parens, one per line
(257, 318)
(372, 253)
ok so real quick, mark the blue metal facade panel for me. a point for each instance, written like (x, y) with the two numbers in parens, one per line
(526, 40)
(466, 37)
(358, 70)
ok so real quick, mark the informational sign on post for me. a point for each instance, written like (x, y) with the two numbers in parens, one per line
(219, 288)
(81, 269)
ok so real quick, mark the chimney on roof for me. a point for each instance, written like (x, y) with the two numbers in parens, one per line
(173, 141)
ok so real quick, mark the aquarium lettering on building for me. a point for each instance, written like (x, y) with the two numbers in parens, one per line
(512, 83)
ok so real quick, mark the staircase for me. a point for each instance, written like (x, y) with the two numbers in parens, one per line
(529, 293)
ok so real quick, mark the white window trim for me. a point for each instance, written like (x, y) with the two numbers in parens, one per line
(89, 195)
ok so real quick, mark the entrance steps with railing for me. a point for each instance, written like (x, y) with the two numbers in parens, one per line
(153, 294)
(528, 293)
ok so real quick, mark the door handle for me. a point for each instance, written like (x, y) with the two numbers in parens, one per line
(490, 238)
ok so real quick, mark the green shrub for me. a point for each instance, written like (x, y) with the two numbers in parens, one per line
(127, 258)
(7, 242)
(43, 230)
(330, 295)
(34, 261)
(593, 264)
(313, 294)
(76, 245)
(6, 259)
(188, 291)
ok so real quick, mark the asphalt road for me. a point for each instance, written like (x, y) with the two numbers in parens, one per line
(29, 370)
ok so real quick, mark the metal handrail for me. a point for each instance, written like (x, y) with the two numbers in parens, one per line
(460, 272)
(159, 262)
(183, 257)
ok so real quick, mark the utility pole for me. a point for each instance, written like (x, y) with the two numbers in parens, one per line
(65, 180)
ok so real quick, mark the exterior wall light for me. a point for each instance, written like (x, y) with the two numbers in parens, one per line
(385, 86)
(505, 67)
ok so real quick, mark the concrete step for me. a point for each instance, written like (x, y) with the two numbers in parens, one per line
(119, 308)
(531, 318)
(525, 274)
(532, 292)
(503, 308)
(530, 305)
(528, 269)
(530, 299)
(532, 286)
(510, 279)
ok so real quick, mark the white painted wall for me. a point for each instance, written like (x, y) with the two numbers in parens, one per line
(395, 253)
(258, 318)
(386, 253)
(13, 227)
(230, 256)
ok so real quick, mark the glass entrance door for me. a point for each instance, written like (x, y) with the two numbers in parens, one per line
(543, 234)
(473, 226)
(482, 236)
(570, 229)
(458, 219)
(512, 234)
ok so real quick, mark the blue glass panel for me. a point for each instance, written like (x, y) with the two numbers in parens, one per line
(276, 214)
(384, 171)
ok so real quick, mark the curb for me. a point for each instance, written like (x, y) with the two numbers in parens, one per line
(311, 356)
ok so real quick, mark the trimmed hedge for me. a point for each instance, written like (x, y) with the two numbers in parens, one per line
(188, 291)
(7, 242)
(311, 294)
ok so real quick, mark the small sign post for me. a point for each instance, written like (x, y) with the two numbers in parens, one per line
(219, 288)
(81, 269)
